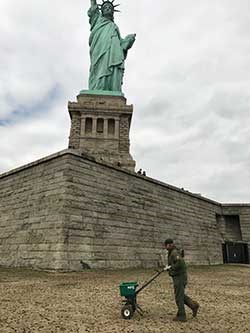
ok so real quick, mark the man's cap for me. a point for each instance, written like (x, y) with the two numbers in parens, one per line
(168, 241)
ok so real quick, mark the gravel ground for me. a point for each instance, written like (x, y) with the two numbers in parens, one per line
(90, 302)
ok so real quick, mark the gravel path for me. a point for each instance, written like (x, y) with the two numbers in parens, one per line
(90, 301)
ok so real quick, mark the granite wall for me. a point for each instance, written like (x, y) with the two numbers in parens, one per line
(68, 212)
(31, 215)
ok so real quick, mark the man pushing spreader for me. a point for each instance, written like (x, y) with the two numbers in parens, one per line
(178, 271)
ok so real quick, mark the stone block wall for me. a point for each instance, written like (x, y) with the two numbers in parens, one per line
(126, 220)
(67, 211)
(75, 130)
(31, 215)
(124, 134)
(100, 127)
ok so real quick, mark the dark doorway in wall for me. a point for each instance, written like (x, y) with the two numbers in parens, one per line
(236, 253)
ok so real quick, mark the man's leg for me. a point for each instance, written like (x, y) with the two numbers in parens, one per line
(179, 298)
(194, 306)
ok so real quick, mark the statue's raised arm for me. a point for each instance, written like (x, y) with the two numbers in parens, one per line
(93, 12)
(107, 49)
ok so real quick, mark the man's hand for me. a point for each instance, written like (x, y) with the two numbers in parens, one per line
(167, 268)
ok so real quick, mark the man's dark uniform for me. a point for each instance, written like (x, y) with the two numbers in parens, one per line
(178, 272)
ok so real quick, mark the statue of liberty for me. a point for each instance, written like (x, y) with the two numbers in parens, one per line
(108, 50)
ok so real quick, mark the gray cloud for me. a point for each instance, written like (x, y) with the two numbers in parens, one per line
(188, 76)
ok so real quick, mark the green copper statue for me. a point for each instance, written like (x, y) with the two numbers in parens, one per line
(108, 50)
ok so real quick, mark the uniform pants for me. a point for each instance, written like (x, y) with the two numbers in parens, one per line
(180, 283)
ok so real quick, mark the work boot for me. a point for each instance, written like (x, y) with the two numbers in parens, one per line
(195, 308)
(182, 319)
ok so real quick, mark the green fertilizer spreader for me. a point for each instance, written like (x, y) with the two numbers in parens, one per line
(128, 290)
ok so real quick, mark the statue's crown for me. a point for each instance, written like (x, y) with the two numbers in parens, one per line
(104, 2)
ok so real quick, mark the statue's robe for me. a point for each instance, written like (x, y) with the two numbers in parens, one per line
(106, 53)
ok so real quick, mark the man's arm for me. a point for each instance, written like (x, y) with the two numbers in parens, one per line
(93, 3)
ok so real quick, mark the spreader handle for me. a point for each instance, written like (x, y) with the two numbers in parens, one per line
(151, 280)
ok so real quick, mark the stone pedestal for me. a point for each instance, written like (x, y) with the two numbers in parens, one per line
(100, 127)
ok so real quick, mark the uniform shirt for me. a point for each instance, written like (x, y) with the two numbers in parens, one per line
(177, 263)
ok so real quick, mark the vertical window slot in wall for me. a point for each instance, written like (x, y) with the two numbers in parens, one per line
(88, 125)
(111, 126)
(100, 125)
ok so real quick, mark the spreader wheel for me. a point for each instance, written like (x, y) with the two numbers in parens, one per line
(127, 311)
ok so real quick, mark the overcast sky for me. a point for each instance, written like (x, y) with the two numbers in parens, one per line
(187, 75)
